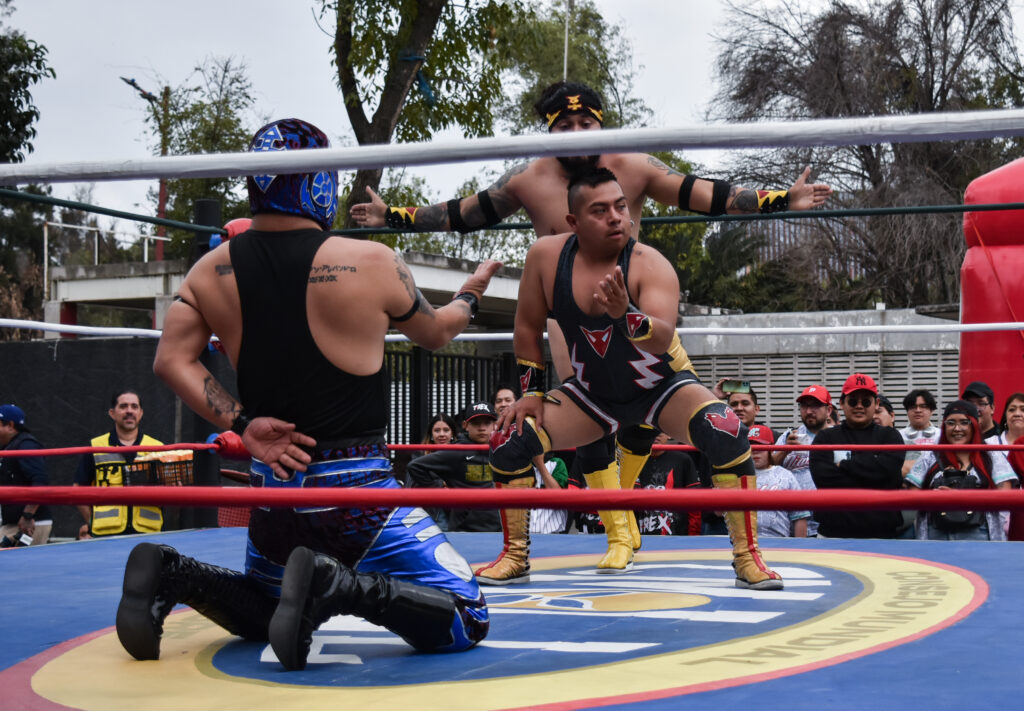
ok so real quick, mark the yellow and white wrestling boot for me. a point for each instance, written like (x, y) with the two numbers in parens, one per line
(751, 570)
(512, 566)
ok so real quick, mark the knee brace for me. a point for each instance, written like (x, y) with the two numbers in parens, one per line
(637, 439)
(597, 455)
(721, 437)
(512, 454)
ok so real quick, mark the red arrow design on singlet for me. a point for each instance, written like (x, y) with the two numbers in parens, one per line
(633, 322)
(728, 423)
(598, 340)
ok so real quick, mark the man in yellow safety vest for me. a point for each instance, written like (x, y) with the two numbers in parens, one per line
(108, 469)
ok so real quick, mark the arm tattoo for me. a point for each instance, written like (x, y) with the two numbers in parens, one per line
(224, 269)
(743, 199)
(405, 276)
(433, 218)
(425, 308)
(219, 400)
(662, 167)
(501, 182)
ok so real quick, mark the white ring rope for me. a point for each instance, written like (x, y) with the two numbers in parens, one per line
(820, 132)
(709, 331)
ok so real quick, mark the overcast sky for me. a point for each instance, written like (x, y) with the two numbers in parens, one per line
(87, 113)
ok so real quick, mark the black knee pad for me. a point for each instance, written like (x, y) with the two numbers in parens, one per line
(637, 439)
(720, 436)
(512, 454)
(597, 455)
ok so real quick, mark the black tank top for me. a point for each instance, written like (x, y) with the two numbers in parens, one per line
(603, 360)
(281, 371)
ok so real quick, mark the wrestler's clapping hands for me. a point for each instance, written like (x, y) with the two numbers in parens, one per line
(612, 295)
(276, 443)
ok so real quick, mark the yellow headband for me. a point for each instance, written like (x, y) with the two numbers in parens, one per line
(574, 105)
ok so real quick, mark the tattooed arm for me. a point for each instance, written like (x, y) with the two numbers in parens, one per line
(185, 336)
(664, 183)
(473, 211)
(413, 315)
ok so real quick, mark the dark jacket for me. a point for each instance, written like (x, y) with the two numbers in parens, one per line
(23, 471)
(862, 470)
(458, 469)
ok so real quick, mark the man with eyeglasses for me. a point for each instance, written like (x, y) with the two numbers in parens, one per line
(846, 469)
(919, 404)
(815, 403)
(981, 396)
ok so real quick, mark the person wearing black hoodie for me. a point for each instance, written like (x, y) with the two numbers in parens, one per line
(844, 469)
(462, 469)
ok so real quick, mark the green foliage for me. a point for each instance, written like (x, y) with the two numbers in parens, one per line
(457, 47)
(22, 64)
(599, 57)
(210, 112)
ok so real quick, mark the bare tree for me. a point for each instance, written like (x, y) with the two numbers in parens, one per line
(876, 57)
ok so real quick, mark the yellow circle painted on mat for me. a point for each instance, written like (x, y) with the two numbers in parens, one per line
(902, 599)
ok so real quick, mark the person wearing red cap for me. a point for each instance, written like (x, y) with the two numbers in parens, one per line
(815, 403)
(775, 478)
(845, 469)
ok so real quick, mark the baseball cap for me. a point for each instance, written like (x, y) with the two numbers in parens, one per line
(761, 434)
(979, 389)
(480, 409)
(818, 392)
(859, 381)
(13, 414)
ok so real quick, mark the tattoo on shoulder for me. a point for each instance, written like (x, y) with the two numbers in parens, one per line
(501, 182)
(742, 199)
(318, 274)
(218, 399)
(662, 167)
(224, 269)
(405, 276)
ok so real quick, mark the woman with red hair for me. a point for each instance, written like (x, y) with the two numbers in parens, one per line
(961, 469)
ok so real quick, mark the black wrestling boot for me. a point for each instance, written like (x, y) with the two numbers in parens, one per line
(316, 587)
(157, 577)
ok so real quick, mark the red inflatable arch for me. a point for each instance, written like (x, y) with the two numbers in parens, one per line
(991, 283)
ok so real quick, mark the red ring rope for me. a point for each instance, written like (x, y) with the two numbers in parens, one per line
(586, 500)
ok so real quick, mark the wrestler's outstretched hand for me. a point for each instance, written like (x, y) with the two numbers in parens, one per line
(612, 295)
(370, 214)
(804, 195)
(479, 280)
(276, 443)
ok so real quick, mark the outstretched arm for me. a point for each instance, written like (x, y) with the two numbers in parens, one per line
(486, 208)
(717, 197)
(433, 328)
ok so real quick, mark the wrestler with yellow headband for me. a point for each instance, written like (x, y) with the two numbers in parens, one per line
(540, 186)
